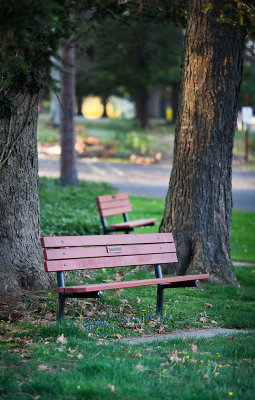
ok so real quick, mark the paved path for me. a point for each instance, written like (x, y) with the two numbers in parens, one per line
(151, 181)
(199, 333)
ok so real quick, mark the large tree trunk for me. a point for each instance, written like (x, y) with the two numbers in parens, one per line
(21, 264)
(68, 173)
(199, 200)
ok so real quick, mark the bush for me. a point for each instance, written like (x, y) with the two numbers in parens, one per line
(70, 210)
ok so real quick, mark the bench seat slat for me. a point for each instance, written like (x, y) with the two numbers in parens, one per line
(125, 284)
(109, 262)
(112, 197)
(105, 240)
(132, 224)
(102, 251)
(115, 211)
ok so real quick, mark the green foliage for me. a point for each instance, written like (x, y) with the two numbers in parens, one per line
(120, 57)
(69, 210)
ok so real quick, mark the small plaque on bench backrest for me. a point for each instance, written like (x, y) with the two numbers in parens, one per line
(114, 249)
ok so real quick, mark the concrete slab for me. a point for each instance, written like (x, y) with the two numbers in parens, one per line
(199, 333)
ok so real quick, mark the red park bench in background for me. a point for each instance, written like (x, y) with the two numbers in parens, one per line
(71, 253)
(115, 204)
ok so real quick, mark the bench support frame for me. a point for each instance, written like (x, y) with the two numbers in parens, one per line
(107, 230)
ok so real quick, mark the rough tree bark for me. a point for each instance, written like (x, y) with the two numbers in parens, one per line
(199, 200)
(68, 161)
(21, 264)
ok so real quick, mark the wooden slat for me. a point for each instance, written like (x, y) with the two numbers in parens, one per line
(114, 204)
(102, 251)
(132, 224)
(109, 262)
(115, 211)
(125, 284)
(110, 197)
(107, 240)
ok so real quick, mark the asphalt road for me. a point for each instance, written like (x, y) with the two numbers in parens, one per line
(151, 181)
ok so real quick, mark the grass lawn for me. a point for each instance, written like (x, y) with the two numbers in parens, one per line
(72, 211)
(85, 357)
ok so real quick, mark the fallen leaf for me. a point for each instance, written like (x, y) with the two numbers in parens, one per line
(203, 314)
(119, 276)
(140, 367)
(194, 348)
(71, 350)
(80, 356)
(173, 356)
(118, 336)
(61, 339)
(135, 354)
(213, 322)
(202, 319)
(161, 329)
(48, 317)
(138, 300)
(43, 367)
(140, 330)
(206, 377)
(208, 305)
(153, 324)
(110, 387)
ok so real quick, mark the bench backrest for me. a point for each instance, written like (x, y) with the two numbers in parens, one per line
(66, 253)
(113, 204)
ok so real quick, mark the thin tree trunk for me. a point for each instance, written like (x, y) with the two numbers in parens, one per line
(104, 103)
(68, 173)
(21, 265)
(79, 105)
(141, 101)
(199, 200)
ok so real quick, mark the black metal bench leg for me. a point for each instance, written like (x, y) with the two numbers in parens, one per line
(61, 307)
(160, 299)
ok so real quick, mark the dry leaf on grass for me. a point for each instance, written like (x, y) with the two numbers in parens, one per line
(194, 348)
(173, 356)
(153, 324)
(202, 319)
(61, 339)
(110, 387)
(161, 329)
(208, 305)
(140, 330)
(140, 367)
(43, 368)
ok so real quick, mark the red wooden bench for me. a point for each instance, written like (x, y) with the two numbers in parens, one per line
(115, 204)
(68, 253)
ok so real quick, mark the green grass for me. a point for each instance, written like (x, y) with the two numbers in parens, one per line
(243, 236)
(85, 368)
(86, 358)
(73, 211)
